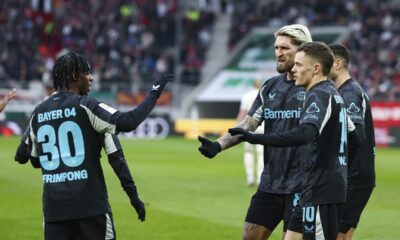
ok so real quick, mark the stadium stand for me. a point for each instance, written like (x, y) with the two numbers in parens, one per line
(128, 43)
(374, 39)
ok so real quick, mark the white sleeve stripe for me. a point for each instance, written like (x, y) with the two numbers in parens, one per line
(109, 144)
(98, 124)
(364, 105)
(327, 115)
(350, 125)
(258, 114)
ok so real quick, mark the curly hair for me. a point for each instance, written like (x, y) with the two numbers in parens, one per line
(68, 68)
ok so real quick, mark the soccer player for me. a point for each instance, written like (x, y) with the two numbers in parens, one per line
(7, 98)
(361, 175)
(323, 128)
(278, 105)
(67, 132)
(253, 154)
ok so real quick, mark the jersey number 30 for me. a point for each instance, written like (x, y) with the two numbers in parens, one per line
(61, 151)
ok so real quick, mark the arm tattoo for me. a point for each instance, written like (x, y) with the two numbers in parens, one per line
(227, 141)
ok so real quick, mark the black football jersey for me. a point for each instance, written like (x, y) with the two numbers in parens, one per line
(362, 169)
(67, 133)
(279, 105)
(325, 170)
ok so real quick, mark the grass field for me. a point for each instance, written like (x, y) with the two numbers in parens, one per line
(187, 196)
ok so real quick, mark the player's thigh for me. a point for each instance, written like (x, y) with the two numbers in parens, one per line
(265, 210)
(351, 210)
(326, 222)
(61, 230)
(314, 222)
(97, 227)
(295, 224)
(291, 202)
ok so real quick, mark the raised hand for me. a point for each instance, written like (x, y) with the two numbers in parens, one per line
(8, 97)
(159, 84)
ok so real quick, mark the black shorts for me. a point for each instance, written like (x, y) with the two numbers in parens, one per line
(268, 209)
(91, 228)
(351, 211)
(316, 222)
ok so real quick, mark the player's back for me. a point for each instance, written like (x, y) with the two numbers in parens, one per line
(68, 147)
(361, 170)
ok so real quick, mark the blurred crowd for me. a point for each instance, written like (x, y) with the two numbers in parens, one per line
(374, 41)
(126, 41)
(130, 42)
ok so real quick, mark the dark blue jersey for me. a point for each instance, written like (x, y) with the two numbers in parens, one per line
(67, 133)
(325, 169)
(362, 169)
(279, 104)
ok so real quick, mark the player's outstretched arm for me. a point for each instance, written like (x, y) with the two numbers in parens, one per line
(211, 149)
(129, 121)
(298, 136)
(121, 169)
(7, 98)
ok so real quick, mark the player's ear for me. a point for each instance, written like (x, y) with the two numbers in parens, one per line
(317, 67)
(336, 63)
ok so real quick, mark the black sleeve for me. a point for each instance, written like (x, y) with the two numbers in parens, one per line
(300, 135)
(121, 169)
(129, 121)
(23, 150)
(354, 141)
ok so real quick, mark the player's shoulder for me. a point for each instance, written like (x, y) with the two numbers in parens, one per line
(274, 82)
(88, 100)
(351, 89)
(275, 79)
(323, 91)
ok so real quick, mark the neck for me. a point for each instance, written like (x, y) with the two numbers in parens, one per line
(290, 76)
(315, 80)
(70, 90)
(342, 78)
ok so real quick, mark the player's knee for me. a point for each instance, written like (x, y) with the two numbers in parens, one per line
(255, 232)
(341, 236)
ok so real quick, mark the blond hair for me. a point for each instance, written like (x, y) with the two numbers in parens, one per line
(297, 32)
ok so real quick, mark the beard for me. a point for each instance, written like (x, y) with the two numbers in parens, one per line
(284, 67)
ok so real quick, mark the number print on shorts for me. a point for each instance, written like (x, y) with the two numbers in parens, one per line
(308, 214)
(47, 136)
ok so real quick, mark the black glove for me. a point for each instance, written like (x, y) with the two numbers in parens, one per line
(139, 207)
(22, 154)
(159, 84)
(245, 135)
(208, 148)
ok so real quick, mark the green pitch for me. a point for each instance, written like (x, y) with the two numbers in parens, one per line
(187, 196)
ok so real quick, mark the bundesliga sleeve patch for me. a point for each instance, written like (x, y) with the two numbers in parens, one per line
(107, 108)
